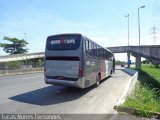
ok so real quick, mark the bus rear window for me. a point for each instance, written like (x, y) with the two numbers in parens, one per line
(63, 42)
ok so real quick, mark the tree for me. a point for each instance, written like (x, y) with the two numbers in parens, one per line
(17, 46)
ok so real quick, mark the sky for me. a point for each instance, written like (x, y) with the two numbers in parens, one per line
(103, 21)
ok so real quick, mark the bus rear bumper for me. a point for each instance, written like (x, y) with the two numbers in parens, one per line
(78, 83)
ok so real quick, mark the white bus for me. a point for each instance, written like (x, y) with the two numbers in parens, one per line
(75, 60)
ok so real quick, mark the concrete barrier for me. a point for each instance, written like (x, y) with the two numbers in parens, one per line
(129, 89)
(20, 71)
(16, 57)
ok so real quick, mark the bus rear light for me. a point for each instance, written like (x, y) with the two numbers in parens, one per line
(81, 73)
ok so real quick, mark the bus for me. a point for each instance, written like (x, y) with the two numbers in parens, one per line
(75, 60)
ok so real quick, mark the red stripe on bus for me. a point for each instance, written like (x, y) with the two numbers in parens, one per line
(61, 41)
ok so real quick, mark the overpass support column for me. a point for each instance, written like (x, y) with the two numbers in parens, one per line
(128, 59)
(138, 62)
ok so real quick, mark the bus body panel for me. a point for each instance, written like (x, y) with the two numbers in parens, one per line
(68, 69)
(79, 83)
(92, 67)
(75, 67)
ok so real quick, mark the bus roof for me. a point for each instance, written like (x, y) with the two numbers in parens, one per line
(65, 34)
(80, 35)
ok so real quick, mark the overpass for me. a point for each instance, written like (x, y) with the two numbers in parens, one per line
(151, 52)
(16, 57)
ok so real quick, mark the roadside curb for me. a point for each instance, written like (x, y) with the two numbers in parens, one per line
(127, 92)
(135, 111)
(129, 87)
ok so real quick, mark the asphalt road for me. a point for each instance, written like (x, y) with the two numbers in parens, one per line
(29, 94)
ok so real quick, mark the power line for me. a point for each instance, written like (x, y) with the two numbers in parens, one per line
(154, 32)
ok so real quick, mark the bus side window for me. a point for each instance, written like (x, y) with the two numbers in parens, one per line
(95, 49)
(86, 46)
(98, 51)
(90, 48)
(102, 52)
(105, 54)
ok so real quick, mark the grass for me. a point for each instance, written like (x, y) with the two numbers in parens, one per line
(152, 71)
(147, 92)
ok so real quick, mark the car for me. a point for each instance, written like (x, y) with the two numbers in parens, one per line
(122, 65)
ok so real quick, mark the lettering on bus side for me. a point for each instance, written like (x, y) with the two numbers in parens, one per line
(68, 41)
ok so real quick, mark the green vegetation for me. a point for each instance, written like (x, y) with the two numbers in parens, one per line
(146, 61)
(150, 75)
(14, 64)
(155, 63)
(119, 62)
(16, 46)
(147, 92)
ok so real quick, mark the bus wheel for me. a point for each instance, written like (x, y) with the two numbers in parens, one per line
(98, 80)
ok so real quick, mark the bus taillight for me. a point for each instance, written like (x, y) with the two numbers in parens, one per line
(81, 73)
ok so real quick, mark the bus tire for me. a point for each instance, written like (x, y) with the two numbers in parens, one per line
(98, 78)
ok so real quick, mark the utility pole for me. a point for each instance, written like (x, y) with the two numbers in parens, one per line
(138, 58)
(25, 37)
(154, 33)
(128, 53)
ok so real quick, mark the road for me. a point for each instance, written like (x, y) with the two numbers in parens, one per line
(29, 94)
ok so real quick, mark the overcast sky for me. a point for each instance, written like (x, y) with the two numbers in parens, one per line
(103, 21)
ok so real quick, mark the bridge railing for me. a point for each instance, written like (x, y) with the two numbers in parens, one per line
(16, 57)
(120, 49)
(20, 55)
(147, 51)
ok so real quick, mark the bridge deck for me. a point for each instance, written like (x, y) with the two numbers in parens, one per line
(148, 51)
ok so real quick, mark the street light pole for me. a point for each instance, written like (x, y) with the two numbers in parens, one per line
(139, 27)
(128, 28)
(128, 53)
(139, 30)
(138, 61)
(25, 36)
